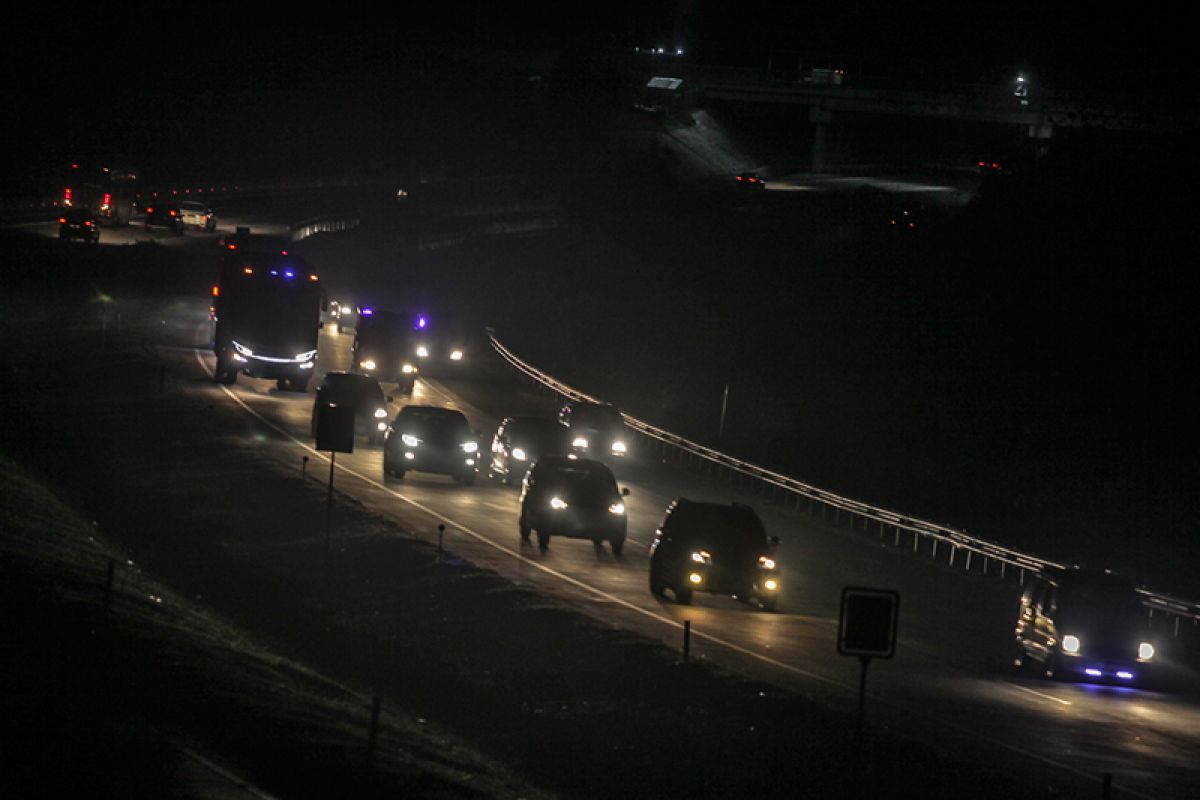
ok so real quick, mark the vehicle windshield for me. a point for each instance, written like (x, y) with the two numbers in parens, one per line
(725, 528)
(596, 417)
(270, 311)
(354, 389)
(434, 420)
(1102, 597)
(544, 435)
(583, 483)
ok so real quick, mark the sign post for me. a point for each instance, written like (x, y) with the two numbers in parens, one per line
(335, 433)
(867, 629)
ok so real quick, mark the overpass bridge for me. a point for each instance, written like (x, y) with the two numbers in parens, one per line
(1038, 111)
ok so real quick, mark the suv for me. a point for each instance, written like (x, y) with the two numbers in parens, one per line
(165, 215)
(364, 394)
(78, 223)
(1085, 624)
(431, 439)
(572, 497)
(521, 441)
(720, 549)
(198, 215)
(597, 429)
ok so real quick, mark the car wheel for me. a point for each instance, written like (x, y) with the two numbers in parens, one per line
(543, 540)
(525, 531)
(657, 587)
(617, 545)
(224, 373)
(768, 603)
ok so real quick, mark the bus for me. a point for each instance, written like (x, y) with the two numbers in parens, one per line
(109, 194)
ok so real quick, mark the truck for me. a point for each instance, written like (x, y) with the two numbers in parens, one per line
(109, 194)
(385, 346)
(266, 312)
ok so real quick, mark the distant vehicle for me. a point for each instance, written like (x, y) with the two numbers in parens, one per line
(751, 180)
(198, 215)
(907, 220)
(431, 439)
(342, 317)
(829, 76)
(440, 349)
(78, 223)
(385, 347)
(714, 548)
(522, 441)
(597, 429)
(166, 216)
(1085, 624)
(267, 313)
(109, 194)
(242, 240)
(575, 498)
(362, 393)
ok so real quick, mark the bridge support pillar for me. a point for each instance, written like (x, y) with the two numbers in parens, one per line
(821, 118)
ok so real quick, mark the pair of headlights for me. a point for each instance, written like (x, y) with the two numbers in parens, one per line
(1073, 645)
(558, 504)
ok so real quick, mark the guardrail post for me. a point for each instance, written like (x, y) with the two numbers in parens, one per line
(898, 537)
(916, 539)
(935, 544)
(968, 567)
(953, 552)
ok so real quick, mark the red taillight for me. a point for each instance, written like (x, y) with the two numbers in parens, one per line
(173, 214)
(739, 177)
(149, 209)
(87, 223)
(107, 199)
(283, 252)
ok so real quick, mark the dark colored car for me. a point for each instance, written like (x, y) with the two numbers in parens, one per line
(431, 439)
(166, 216)
(383, 347)
(597, 429)
(576, 498)
(714, 548)
(78, 223)
(364, 394)
(1085, 624)
(751, 180)
(522, 441)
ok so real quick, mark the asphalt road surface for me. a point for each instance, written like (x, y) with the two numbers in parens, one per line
(949, 683)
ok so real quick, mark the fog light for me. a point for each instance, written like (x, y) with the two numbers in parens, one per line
(409, 456)
(770, 585)
(1095, 673)
(1145, 651)
(1125, 675)
(382, 426)
(696, 577)
(470, 462)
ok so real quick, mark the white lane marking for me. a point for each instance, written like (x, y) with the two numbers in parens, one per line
(645, 612)
(1038, 694)
(520, 556)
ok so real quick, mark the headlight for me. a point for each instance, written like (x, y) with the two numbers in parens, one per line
(409, 439)
(579, 442)
(456, 355)
(617, 508)
(368, 364)
(618, 447)
(558, 503)
(770, 584)
(382, 426)
(408, 369)
(239, 357)
(766, 563)
(518, 454)
(1145, 651)
(241, 348)
(1071, 644)
(470, 447)
(380, 413)
(702, 557)
(422, 352)
(307, 355)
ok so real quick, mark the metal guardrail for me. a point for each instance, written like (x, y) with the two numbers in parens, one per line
(331, 224)
(960, 547)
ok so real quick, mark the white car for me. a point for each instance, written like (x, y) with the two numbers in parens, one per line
(198, 215)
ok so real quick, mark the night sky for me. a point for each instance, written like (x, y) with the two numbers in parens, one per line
(232, 91)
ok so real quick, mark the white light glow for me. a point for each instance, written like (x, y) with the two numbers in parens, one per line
(456, 355)
(558, 503)
(770, 584)
(368, 364)
(1071, 644)
(1145, 651)
(617, 508)
(422, 352)
(380, 413)
(766, 563)
(518, 454)
(470, 447)
(618, 447)
(410, 440)
(580, 442)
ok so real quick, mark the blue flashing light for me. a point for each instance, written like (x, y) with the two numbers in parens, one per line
(289, 273)
(274, 272)
(367, 311)
(1095, 673)
(421, 322)
(1128, 676)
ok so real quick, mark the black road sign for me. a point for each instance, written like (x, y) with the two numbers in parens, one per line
(868, 622)
(335, 428)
